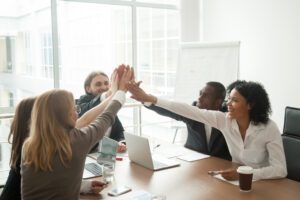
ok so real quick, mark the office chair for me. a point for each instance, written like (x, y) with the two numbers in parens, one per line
(177, 126)
(291, 142)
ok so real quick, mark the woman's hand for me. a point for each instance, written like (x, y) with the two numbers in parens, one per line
(97, 186)
(125, 78)
(114, 83)
(230, 174)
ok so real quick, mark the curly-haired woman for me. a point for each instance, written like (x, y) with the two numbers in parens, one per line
(252, 138)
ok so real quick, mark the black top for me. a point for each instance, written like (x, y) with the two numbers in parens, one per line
(88, 101)
(12, 188)
(196, 139)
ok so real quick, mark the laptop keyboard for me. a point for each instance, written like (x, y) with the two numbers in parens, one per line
(94, 168)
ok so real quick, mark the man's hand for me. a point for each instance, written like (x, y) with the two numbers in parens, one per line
(139, 94)
(121, 147)
(230, 174)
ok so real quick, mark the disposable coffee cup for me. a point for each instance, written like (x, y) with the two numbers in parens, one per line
(245, 178)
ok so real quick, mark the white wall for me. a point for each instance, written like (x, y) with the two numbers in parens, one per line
(190, 20)
(269, 31)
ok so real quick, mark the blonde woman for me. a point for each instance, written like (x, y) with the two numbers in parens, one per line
(54, 154)
(18, 133)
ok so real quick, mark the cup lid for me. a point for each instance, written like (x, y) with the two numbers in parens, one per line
(245, 170)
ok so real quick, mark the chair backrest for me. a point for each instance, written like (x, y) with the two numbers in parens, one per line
(291, 142)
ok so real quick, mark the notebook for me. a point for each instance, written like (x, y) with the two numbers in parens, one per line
(107, 151)
(139, 152)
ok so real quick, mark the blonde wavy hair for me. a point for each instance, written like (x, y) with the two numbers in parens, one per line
(49, 130)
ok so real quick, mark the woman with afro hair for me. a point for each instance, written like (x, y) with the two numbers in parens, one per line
(252, 137)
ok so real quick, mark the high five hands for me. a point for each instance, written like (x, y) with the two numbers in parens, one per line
(122, 76)
(125, 75)
(138, 93)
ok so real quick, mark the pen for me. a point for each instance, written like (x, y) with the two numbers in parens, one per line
(213, 173)
(156, 146)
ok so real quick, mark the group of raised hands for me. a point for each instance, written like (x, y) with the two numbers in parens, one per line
(123, 78)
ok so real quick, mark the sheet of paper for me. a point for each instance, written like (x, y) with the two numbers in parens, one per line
(193, 156)
(232, 182)
(223, 179)
(140, 195)
(170, 151)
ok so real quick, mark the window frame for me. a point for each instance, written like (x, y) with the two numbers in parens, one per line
(134, 4)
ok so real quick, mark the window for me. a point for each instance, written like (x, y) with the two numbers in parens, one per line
(170, 2)
(25, 50)
(28, 69)
(7, 47)
(46, 55)
(91, 36)
(157, 40)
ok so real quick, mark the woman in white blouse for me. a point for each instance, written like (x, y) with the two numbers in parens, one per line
(253, 139)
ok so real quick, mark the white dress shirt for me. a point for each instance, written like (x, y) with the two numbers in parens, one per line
(103, 97)
(207, 132)
(86, 186)
(262, 148)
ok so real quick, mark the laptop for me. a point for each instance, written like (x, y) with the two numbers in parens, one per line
(139, 152)
(91, 168)
(106, 154)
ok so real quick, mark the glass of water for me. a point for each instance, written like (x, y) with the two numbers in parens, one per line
(108, 170)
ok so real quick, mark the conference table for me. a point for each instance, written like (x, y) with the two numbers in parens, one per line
(190, 181)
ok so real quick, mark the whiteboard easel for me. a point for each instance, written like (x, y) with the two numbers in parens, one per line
(203, 62)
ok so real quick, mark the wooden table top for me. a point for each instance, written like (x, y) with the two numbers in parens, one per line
(190, 181)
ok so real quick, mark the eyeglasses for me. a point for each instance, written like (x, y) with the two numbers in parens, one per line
(78, 109)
